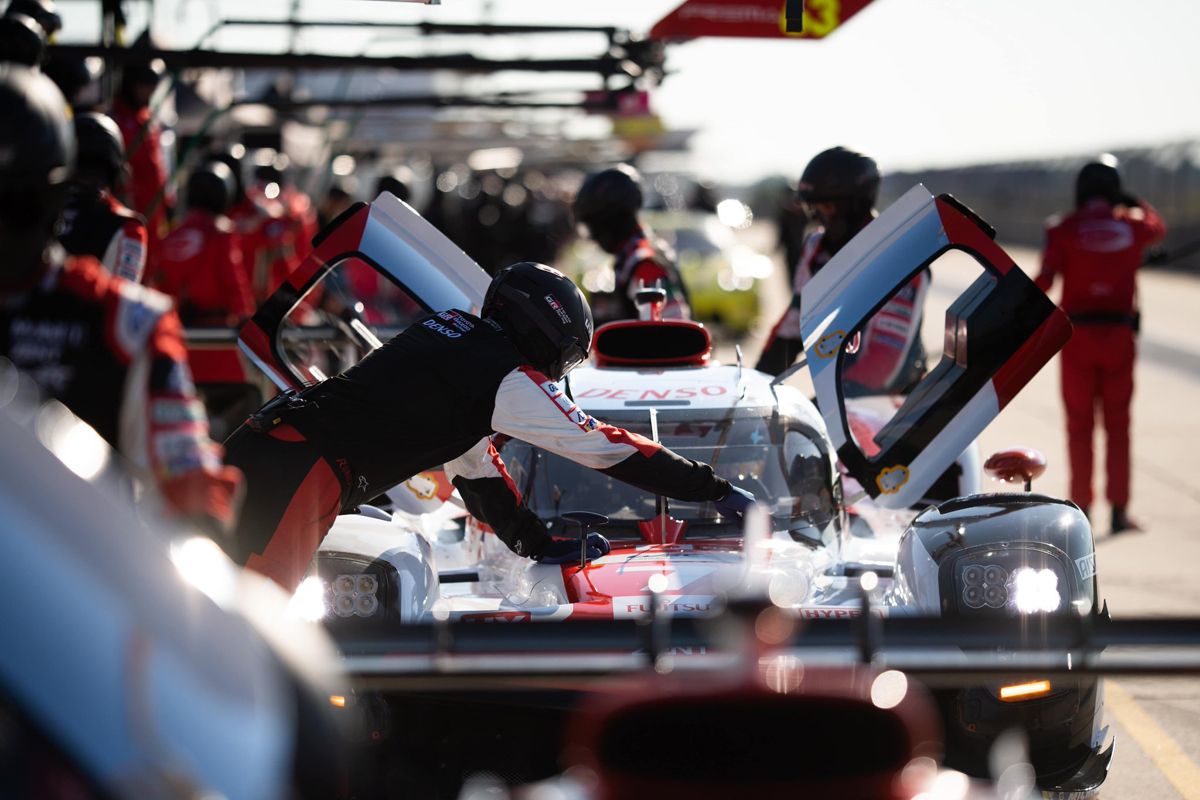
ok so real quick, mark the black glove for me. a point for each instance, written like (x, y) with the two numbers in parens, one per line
(734, 504)
(564, 551)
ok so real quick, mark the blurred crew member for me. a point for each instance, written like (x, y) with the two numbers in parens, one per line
(266, 238)
(607, 206)
(21, 40)
(95, 223)
(1097, 250)
(337, 200)
(43, 12)
(108, 349)
(200, 262)
(148, 194)
(840, 188)
(297, 206)
(434, 395)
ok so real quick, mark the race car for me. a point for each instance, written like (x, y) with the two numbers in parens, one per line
(843, 490)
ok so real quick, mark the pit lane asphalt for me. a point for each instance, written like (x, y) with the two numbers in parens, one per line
(1156, 573)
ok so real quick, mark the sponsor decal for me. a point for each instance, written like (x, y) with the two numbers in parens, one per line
(676, 605)
(176, 412)
(179, 452)
(572, 411)
(449, 333)
(1086, 566)
(672, 393)
(421, 485)
(828, 612)
(552, 301)
(892, 479)
(457, 320)
(497, 616)
(829, 344)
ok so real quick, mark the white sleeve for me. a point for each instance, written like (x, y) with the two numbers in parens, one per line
(535, 409)
(478, 462)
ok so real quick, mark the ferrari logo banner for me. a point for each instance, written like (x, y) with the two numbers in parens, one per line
(774, 19)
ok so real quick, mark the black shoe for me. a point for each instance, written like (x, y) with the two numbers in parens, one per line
(1123, 523)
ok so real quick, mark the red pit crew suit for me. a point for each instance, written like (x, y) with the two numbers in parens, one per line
(1097, 250)
(432, 395)
(112, 351)
(268, 247)
(200, 265)
(148, 180)
(640, 263)
(890, 356)
(96, 224)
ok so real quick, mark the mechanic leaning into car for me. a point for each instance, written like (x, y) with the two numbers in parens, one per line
(607, 206)
(839, 187)
(433, 395)
(109, 349)
(1097, 250)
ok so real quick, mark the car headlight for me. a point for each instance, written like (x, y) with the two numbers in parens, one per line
(342, 589)
(1018, 580)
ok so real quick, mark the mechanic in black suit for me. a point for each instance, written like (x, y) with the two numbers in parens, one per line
(434, 395)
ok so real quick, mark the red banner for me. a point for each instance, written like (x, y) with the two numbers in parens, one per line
(753, 18)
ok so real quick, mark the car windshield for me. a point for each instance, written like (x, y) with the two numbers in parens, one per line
(782, 461)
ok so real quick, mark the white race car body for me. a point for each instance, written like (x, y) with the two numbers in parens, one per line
(838, 482)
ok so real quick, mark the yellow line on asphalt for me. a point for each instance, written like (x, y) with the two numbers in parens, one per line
(1180, 770)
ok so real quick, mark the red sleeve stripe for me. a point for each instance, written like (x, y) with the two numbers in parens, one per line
(498, 463)
(586, 422)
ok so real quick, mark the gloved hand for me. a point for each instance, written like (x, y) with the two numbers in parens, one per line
(734, 504)
(565, 551)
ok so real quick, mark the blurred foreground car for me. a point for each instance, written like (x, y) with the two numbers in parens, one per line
(893, 527)
(135, 666)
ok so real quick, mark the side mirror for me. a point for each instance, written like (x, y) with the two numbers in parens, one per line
(1018, 463)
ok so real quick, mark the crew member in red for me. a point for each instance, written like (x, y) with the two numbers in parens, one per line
(200, 262)
(435, 394)
(95, 223)
(839, 188)
(607, 206)
(1097, 250)
(148, 191)
(110, 350)
(267, 238)
(273, 183)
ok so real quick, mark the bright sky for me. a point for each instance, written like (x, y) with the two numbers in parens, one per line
(913, 82)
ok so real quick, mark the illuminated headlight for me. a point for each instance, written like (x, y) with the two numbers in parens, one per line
(355, 595)
(344, 596)
(1017, 580)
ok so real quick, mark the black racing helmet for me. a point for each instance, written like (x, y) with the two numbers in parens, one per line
(43, 12)
(847, 179)
(840, 175)
(101, 146)
(545, 314)
(608, 202)
(36, 158)
(232, 157)
(211, 188)
(1098, 178)
(22, 40)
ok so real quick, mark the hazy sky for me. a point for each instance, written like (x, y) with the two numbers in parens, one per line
(913, 82)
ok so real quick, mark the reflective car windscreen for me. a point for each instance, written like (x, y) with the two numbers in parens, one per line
(782, 461)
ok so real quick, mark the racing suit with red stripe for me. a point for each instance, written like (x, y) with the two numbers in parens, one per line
(112, 352)
(435, 394)
(96, 224)
(148, 191)
(200, 265)
(1097, 250)
(641, 263)
(890, 355)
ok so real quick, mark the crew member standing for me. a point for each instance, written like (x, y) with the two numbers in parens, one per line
(434, 395)
(110, 350)
(839, 188)
(95, 223)
(607, 205)
(200, 262)
(1097, 250)
(148, 195)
